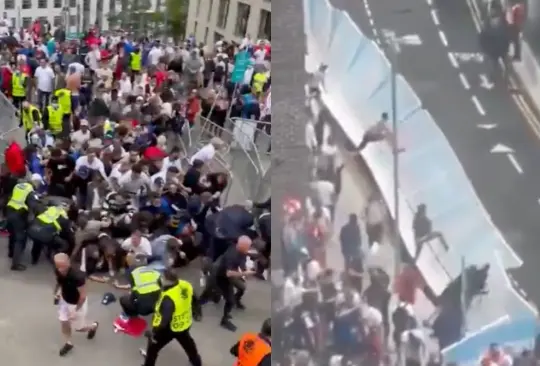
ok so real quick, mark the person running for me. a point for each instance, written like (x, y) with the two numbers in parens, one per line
(71, 296)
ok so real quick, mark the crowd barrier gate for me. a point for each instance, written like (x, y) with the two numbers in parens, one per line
(244, 156)
(9, 125)
(358, 83)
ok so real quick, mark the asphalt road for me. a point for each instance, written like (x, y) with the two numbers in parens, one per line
(508, 186)
(30, 332)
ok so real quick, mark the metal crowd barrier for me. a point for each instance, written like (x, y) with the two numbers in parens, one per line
(430, 172)
(9, 125)
(243, 157)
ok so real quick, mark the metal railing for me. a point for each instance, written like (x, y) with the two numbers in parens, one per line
(244, 155)
(9, 125)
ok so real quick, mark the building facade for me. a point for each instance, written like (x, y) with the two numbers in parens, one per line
(232, 20)
(76, 15)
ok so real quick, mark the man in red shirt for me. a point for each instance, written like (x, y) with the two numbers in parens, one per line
(515, 17)
(15, 161)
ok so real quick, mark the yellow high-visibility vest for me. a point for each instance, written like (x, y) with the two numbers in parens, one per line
(56, 116)
(52, 215)
(136, 61)
(181, 295)
(145, 280)
(28, 118)
(64, 100)
(19, 195)
(259, 80)
(17, 85)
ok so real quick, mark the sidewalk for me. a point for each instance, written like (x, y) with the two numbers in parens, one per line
(356, 189)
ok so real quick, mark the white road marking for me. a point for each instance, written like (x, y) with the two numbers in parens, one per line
(435, 17)
(515, 163)
(368, 11)
(371, 22)
(443, 38)
(478, 105)
(453, 60)
(375, 33)
(487, 126)
(464, 81)
(429, 2)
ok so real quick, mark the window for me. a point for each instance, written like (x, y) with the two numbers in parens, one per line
(195, 28)
(86, 5)
(210, 10)
(14, 22)
(217, 37)
(42, 20)
(223, 13)
(57, 21)
(73, 3)
(72, 20)
(9, 4)
(26, 21)
(42, 4)
(112, 6)
(206, 36)
(265, 26)
(242, 19)
(27, 4)
(198, 8)
(57, 4)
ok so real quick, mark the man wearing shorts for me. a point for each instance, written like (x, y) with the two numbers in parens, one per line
(71, 297)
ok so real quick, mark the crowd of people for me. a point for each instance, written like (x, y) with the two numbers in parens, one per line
(104, 180)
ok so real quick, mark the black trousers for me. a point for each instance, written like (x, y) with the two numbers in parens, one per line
(163, 337)
(16, 226)
(226, 286)
(142, 305)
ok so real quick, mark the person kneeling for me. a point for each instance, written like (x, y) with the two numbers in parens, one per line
(145, 288)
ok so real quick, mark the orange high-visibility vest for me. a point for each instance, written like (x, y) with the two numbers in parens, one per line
(251, 350)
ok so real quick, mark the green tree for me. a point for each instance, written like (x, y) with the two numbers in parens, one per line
(172, 19)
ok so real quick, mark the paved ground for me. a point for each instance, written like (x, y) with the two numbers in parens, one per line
(29, 316)
(508, 191)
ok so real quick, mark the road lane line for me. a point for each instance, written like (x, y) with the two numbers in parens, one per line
(522, 105)
(435, 17)
(371, 22)
(368, 11)
(443, 38)
(464, 81)
(430, 2)
(453, 60)
(478, 105)
(515, 163)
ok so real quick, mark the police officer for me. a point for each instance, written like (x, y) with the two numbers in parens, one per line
(135, 63)
(145, 289)
(53, 117)
(30, 117)
(174, 313)
(254, 349)
(19, 83)
(52, 230)
(23, 198)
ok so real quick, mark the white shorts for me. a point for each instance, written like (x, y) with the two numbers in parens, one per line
(68, 312)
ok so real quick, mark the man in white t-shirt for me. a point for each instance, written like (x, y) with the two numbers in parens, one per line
(44, 75)
(81, 136)
(92, 162)
(137, 244)
(173, 160)
(155, 54)
(208, 151)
